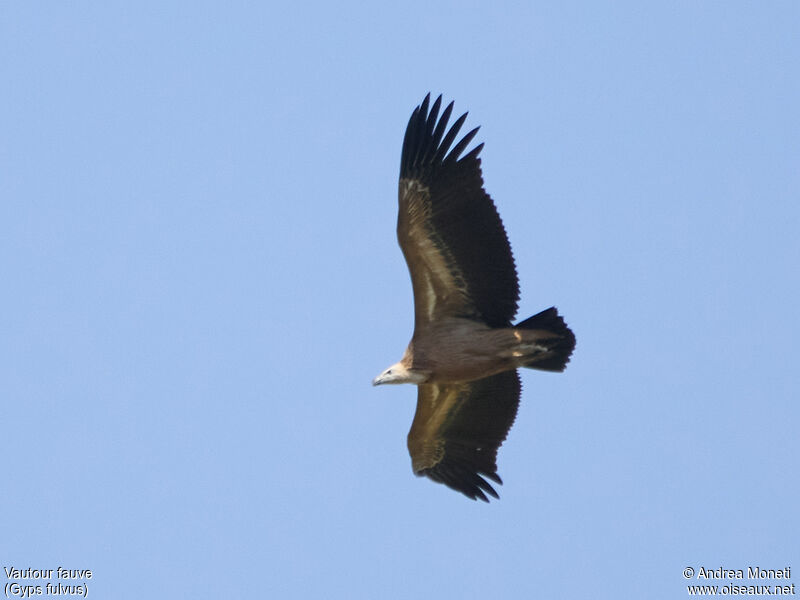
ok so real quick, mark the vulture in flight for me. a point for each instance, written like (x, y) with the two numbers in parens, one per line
(465, 351)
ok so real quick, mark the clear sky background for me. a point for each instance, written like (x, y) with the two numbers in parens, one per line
(199, 279)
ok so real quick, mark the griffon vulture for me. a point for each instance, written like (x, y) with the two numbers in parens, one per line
(465, 351)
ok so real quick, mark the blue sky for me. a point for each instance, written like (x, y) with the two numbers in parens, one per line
(200, 279)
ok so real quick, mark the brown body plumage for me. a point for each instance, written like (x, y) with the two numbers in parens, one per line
(456, 350)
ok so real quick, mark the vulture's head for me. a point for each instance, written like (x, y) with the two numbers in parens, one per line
(398, 373)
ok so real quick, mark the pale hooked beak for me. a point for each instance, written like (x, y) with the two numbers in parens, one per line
(383, 377)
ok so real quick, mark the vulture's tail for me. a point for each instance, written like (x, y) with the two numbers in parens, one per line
(559, 340)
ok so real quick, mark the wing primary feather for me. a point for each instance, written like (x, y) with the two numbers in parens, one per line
(431, 122)
(426, 143)
(459, 147)
(410, 142)
(441, 126)
(493, 476)
(418, 126)
(473, 153)
(448, 139)
(461, 478)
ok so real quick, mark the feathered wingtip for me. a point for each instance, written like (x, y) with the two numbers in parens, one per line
(464, 479)
(426, 144)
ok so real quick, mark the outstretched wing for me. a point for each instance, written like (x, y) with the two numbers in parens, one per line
(448, 227)
(458, 428)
